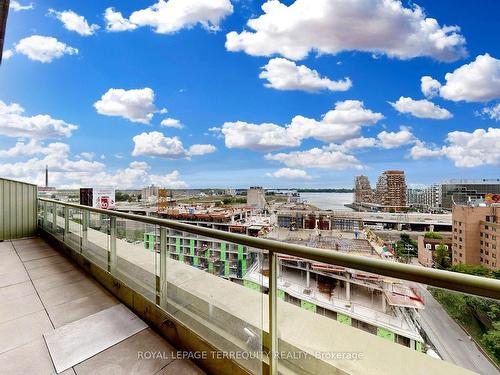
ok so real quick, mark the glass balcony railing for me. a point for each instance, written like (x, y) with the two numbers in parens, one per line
(274, 307)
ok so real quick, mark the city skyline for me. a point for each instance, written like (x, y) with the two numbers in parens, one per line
(126, 95)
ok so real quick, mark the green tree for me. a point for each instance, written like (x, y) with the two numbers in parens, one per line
(442, 259)
(491, 340)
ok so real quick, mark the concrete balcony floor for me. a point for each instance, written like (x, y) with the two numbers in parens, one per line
(40, 291)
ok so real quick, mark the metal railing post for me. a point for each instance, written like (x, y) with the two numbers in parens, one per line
(162, 290)
(85, 226)
(273, 317)
(66, 222)
(112, 245)
(45, 222)
(54, 218)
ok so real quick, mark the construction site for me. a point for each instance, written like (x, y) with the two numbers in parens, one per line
(379, 305)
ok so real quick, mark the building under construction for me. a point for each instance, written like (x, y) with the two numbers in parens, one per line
(380, 305)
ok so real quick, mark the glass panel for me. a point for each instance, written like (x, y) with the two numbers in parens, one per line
(59, 232)
(96, 240)
(332, 318)
(209, 291)
(137, 248)
(73, 236)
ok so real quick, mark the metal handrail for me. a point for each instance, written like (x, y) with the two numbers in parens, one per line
(477, 285)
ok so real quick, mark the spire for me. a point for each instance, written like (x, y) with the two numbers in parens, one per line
(46, 176)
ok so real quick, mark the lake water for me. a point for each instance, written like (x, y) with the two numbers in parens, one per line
(328, 201)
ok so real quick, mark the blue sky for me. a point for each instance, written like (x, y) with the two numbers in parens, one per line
(209, 82)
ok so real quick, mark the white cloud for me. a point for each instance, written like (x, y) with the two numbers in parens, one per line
(332, 26)
(290, 174)
(353, 144)
(258, 137)
(283, 74)
(478, 148)
(67, 172)
(343, 122)
(157, 144)
(21, 148)
(317, 158)
(492, 112)
(201, 149)
(167, 17)
(56, 157)
(116, 22)
(171, 123)
(16, 6)
(7, 54)
(429, 86)
(74, 22)
(420, 150)
(481, 147)
(421, 108)
(478, 81)
(139, 165)
(390, 140)
(14, 124)
(136, 105)
(87, 155)
(43, 48)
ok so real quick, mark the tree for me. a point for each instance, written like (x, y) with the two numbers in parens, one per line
(442, 259)
(491, 340)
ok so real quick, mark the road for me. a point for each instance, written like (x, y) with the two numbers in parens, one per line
(451, 341)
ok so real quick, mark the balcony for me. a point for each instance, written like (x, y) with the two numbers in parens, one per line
(230, 318)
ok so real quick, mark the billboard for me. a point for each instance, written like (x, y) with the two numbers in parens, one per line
(103, 198)
(492, 198)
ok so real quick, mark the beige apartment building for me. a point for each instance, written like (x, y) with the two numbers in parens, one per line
(476, 231)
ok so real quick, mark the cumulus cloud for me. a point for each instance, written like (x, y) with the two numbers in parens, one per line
(116, 22)
(353, 144)
(420, 150)
(171, 123)
(16, 6)
(390, 140)
(478, 148)
(283, 74)
(317, 158)
(478, 81)
(55, 155)
(492, 112)
(257, 137)
(13, 123)
(156, 144)
(74, 22)
(201, 149)
(421, 108)
(344, 121)
(167, 17)
(332, 26)
(481, 147)
(7, 54)
(290, 174)
(136, 105)
(44, 49)
(139, 165)
(429, 86)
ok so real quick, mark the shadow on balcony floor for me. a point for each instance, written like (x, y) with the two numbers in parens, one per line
(40, 291)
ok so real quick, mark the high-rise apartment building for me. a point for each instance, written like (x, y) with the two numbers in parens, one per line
(391, 190)
(363, 192)
(476, 235)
